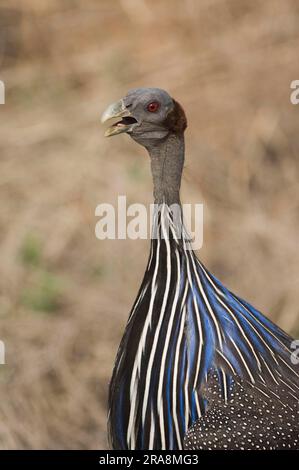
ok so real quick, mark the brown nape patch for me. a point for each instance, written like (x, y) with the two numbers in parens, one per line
(176, 120)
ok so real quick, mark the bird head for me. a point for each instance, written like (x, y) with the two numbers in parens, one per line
(148, 115)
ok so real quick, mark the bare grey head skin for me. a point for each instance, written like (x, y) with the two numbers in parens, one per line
(157, 122)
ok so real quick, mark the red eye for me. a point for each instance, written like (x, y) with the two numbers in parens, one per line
(153, 107)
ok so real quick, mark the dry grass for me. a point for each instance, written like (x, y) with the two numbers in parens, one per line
(65, 296)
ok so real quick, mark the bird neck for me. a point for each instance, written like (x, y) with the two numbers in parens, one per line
(167, 160)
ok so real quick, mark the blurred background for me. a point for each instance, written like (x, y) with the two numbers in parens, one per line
(64, 295)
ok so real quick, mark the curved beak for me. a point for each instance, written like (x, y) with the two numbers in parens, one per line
(118, 110)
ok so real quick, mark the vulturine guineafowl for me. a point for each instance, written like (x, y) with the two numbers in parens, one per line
(197, 367)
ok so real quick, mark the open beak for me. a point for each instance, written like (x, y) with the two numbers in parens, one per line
(118, 110)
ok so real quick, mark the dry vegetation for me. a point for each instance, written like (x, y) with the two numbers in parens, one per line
(65, 296)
